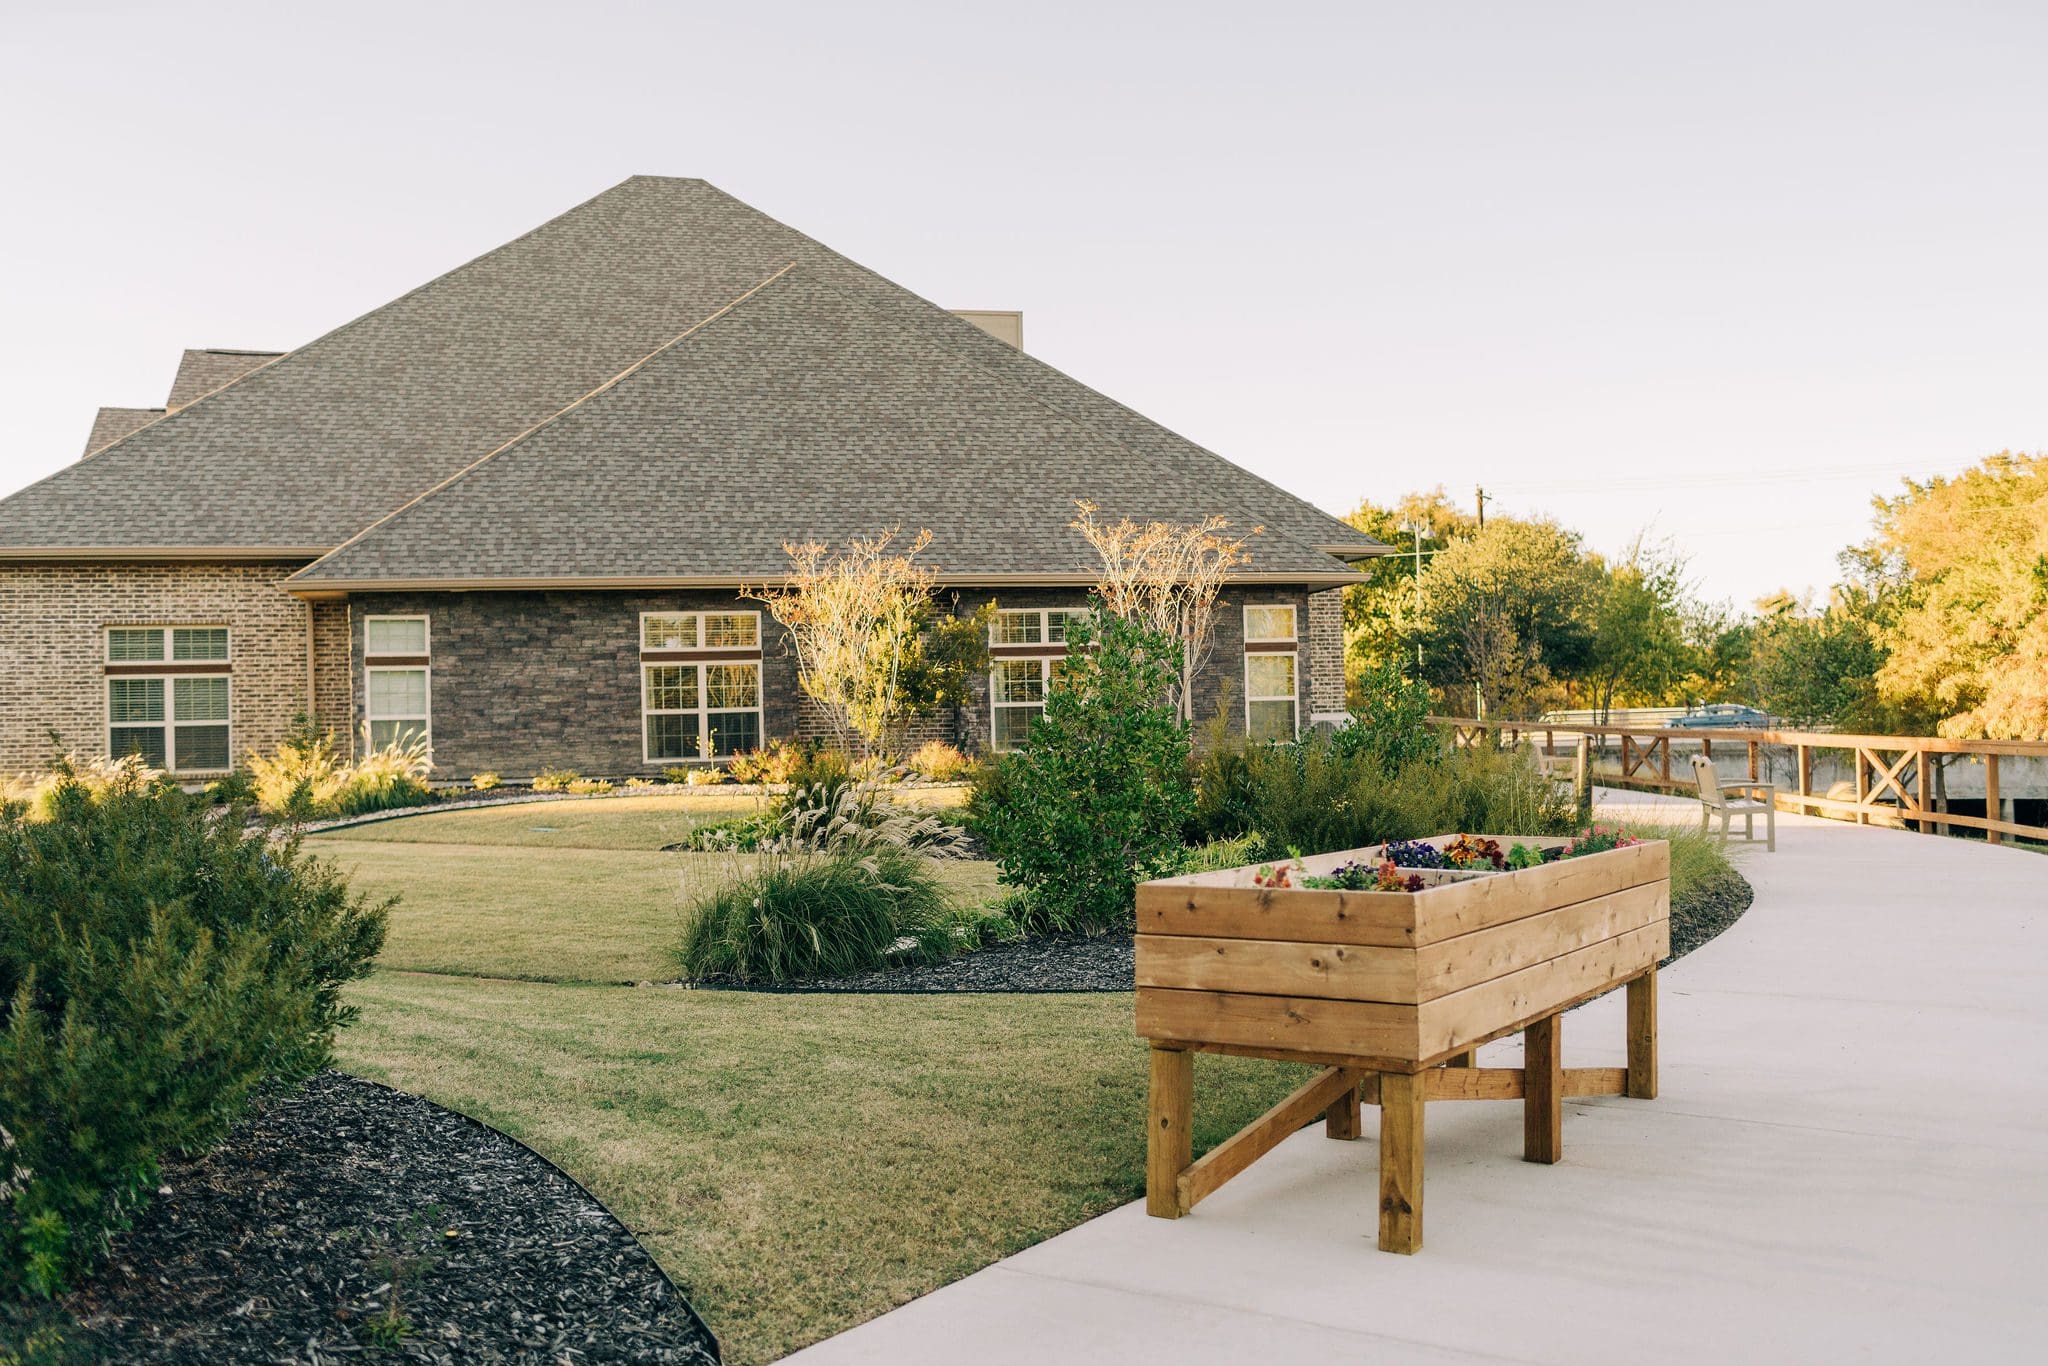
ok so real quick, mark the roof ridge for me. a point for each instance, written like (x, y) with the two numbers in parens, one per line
(1064, 410)
(283, 358)
(555, 416)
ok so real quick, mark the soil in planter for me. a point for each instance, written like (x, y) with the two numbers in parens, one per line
(349, 1221)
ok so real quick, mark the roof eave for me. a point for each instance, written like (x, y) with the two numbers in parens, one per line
(329, 588)
(163, 552)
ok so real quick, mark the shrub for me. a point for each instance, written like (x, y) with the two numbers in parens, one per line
(639, 782)
(675, 773)
(709, 776)
(823, 818)
(157, 967)
(1391, 718)
(778, 762)
(804, 914)
(1097, 797)
(588, 787)
(390, 777)
(555, 779)
(484, 782)
(37, 794)
(1216, 855)
(938, 762)
(1324, 793)
(304, 780)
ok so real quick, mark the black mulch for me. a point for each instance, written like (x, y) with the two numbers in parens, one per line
(1709, 908)
(1106, 962)
(352, 1222)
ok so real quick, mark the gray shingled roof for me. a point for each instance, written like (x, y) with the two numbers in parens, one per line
(799, 414)
(202, 371)
(111, 424)
(308, 450)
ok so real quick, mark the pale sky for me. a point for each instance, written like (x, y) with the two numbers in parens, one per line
(1723, 270)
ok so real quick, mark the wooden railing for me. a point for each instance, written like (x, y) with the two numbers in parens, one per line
(1893, 773)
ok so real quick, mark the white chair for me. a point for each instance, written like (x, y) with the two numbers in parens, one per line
(1737, 799)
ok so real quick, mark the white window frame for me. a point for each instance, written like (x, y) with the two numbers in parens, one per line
(426, 671)
(703, 661)
(170, 679)
(700, 615)
(1053, 653)
(1294, 698)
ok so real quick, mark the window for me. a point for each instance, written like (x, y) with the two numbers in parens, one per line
(701, 711)
(1028, 645)
(700, 684)
(168, 694)
(397, 687)
(700, 630)
(1271, 691)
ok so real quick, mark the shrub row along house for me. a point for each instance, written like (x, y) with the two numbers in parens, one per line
(512, 511)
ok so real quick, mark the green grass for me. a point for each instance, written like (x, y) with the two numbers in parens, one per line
(802, 1163)
(572, 891)
(798, 1163)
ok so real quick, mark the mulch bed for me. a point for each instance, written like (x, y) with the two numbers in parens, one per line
(349, 1221)
(1055, 963)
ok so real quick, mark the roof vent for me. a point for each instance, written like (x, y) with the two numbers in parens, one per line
(202, 372)
(1003, 326)
(114, 423)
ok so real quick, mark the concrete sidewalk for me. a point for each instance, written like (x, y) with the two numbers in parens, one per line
(1849, 1161)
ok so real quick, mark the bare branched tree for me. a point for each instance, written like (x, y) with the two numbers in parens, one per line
(851, 618)
(1166, 575)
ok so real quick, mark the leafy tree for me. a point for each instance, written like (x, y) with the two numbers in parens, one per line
(1961, 569)
(1506, 612)
(871, 646)
(1818, 667)
(1096, 798)
(1379, 614)
(1166, 575)
(1639, 650)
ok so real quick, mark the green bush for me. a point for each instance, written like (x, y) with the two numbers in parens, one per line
(1096, 799)
(157, 967)
(1324, 793)
(807, 914)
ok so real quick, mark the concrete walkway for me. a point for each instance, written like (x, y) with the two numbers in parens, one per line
(1849, 1162)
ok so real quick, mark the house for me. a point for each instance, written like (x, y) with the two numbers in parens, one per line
(511, 511)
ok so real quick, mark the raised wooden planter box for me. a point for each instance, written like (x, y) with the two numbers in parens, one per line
(1391, 992)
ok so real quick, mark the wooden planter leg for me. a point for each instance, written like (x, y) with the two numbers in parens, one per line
(1642, 1037)
(1169, 1139)
(1341, 1120)
(1400, 1162)
(1542, 1092)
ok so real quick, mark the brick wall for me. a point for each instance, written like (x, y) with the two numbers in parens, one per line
(1325, 652)
(333, 677)
(53, 619)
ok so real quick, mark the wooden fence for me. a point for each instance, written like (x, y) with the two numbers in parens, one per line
(1892, 772)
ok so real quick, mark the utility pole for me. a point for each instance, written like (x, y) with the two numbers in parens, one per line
(1480, 489)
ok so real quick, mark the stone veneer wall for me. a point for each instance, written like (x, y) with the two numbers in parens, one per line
(53, 619)
(529, 680)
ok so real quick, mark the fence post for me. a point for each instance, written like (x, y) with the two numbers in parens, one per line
(1920, 774)
(1753, 771)
(1993, 807)
(1805, 773)
(1582, 780)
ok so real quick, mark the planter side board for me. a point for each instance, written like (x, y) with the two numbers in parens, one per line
(1396, 980)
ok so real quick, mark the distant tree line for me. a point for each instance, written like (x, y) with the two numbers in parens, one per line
(1939, 624)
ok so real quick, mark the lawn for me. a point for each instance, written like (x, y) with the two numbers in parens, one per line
(572, 891)
(798, 1163)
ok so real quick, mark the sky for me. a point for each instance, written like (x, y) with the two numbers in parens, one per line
(1721, 272)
